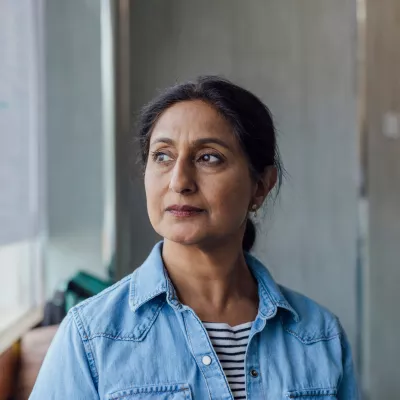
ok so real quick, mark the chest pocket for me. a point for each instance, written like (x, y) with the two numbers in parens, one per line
(178, 391)
(313, 394)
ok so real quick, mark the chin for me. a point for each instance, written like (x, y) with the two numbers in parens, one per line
(183, 236)
(183, 239)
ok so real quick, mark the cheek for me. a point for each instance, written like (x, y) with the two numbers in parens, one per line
(153, 189)
(230, 196)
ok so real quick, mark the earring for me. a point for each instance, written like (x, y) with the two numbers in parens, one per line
(254, 209)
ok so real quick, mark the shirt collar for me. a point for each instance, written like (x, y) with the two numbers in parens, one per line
(271, 297)
(151, 280)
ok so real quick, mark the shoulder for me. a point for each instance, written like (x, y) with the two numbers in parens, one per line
(316, 323)
(110, 315)
(102, 315)
(108, 299)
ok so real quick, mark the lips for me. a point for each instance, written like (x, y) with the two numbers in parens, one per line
(184, 210)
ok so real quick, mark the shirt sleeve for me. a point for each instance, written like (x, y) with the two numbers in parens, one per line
(348, 388)
(66, 372)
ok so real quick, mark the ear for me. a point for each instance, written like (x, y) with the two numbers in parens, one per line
(265, 184)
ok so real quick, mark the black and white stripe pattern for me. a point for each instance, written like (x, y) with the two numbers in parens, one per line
(230, 344)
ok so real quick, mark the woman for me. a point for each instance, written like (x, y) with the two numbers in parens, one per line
(201, 318)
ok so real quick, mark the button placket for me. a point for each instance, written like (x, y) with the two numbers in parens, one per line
(254, 388)
(206, 357)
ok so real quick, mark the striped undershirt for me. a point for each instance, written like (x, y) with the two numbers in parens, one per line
(230, 344)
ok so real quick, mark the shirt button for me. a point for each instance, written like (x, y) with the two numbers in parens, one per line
(254, 373)
(206, 360)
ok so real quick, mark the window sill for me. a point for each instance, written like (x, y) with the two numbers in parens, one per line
(12, 328)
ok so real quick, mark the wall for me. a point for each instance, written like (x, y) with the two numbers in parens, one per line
(383, 189)
(74, 139)
(299, 57)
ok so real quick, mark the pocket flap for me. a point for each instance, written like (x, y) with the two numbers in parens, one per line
(312, 393)
(178, 391)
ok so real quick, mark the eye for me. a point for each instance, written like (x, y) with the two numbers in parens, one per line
(161, 157)
(210, 159)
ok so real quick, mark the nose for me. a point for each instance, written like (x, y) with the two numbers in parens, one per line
(182, 178)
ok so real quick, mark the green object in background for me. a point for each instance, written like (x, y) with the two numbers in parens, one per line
(82, 286)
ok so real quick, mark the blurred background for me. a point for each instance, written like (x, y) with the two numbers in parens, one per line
(73, 75)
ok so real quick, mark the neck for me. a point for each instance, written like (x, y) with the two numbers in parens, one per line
(215, 282)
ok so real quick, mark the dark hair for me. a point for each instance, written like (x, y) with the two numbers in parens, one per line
(251, 121)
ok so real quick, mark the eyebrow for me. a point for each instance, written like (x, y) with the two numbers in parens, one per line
(197, 142)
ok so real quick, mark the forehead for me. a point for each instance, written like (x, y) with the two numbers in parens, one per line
(194, 118)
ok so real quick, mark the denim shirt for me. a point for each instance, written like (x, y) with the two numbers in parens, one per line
(135, 340)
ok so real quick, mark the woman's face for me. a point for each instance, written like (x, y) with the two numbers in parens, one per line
(197, 178)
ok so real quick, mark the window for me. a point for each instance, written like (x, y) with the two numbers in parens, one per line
(21, 168)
